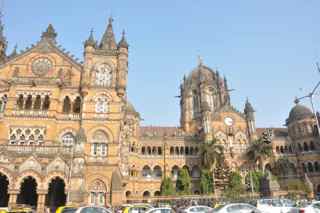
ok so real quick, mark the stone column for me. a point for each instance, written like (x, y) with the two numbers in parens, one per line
(13, 195)
(41, 200)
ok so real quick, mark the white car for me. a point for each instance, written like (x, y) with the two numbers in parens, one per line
(275, 205)
(160, 210)
(92, 209)
(236, 208)
(311, 208)
(198, 209)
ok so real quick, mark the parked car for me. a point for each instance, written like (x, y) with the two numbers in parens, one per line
(137, 208)
(236, 208)
(197, 209)
(66, 209)
(275, 205)
(308, 208)
(160, 210)
(92, 209)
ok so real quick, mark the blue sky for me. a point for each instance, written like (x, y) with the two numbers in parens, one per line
(266, 49)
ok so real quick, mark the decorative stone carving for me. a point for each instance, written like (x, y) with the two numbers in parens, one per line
(30, 164)
(57, 165)
(78, 165)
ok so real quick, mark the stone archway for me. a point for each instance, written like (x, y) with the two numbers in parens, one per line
(4, 196)
(56, 194)
(28, 192)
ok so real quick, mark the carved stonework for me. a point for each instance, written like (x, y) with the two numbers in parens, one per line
(30, 164)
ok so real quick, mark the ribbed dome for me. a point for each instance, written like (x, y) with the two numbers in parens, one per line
(200, 74)
(299, 112)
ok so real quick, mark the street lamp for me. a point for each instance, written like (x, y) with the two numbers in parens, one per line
(310, 96)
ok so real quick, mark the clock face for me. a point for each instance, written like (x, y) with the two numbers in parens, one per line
(41, 66)
(228, 121)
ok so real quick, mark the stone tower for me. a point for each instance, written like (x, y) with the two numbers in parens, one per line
(202, 93)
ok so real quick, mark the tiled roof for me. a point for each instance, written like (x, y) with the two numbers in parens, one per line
(278, 132)
(160, 131)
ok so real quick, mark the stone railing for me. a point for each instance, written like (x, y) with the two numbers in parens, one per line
(70, 116)
(31, 113)
(14, 150)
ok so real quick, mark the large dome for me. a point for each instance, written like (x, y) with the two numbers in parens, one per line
(200, 74)
(299, 112)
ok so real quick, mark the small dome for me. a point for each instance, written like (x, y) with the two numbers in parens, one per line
(299, 112)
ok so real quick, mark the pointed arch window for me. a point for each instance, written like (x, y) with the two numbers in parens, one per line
(77, 105)
(46, 103)
(28, 102)
(37, 103)
(66, 105)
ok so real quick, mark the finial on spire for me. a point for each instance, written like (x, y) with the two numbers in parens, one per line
(50, 33)
(296, 100)
(110, 20)
(90, 41)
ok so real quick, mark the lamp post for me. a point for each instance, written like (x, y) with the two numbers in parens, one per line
(310, 96)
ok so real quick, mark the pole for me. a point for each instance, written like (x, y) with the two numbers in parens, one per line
(70, 174)
(315, 114)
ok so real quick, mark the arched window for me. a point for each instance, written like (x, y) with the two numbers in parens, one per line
(191, 150)
(300, 147)
(37, 103)
(177, 150)
(149, 150)
(305, 147)
(103, 76)
(195, 172)
(182, 150)
(175, 172)
(187, 150)
(195, 102)
(68, 139)
(146, 172)
(171, 150)
(196, 150)
(128, 193)
(157, 172)
(157, 193)
(77, 105)
(277, 149)
(28, 105)
(20, 102)
(286, 149)
(102, 105)
(98, 192)
(154, 150)
(143, 150)
(316, 167)
(312, 147)
(99, 145)
(281, 149)
(310, 167)
(159, 150)
(46, 103)
(290, 149)
(66, 105)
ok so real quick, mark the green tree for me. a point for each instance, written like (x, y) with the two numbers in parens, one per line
(235, 187)
(283, 167)
(256, 178)
(259, 151)
(212, 155)
(183, 184)
(206, 182)
(167, 187)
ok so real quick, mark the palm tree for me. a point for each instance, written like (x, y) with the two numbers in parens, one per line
(212, 155)
(259, 151)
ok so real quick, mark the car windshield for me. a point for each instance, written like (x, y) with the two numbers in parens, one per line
(218, 208)
(69, 210)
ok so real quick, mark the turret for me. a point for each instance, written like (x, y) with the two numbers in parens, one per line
(3, 44)
(249, 113)
(122, 66)
(227, 95)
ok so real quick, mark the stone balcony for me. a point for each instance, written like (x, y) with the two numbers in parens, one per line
(31, 113)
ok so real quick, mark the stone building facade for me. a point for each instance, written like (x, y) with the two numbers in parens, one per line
(68, 132)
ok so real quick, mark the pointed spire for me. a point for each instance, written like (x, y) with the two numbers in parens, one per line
(123, 43)
(50, 33)
(90, 41)
(14, 51)
(248, 107)
(108, 41)
(200, 61)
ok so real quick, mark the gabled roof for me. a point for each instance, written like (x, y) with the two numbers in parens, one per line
(47, 44)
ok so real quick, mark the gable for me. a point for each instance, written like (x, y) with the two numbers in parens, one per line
(44, 61)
